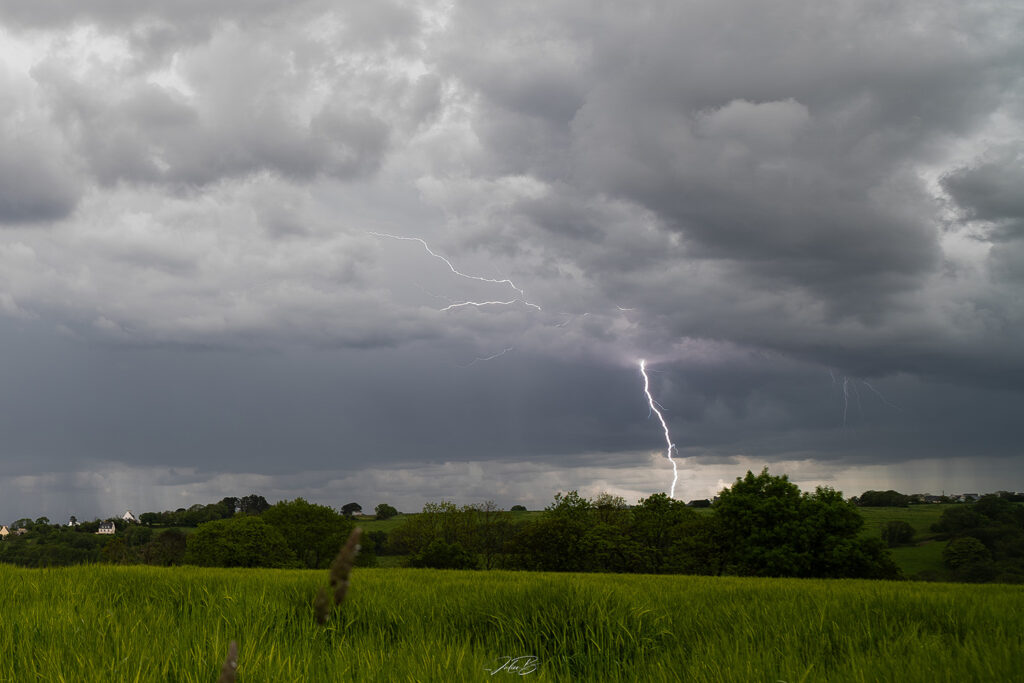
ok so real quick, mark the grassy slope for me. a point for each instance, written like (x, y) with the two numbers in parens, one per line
(925, 555)
(150, 624)
(921, 517)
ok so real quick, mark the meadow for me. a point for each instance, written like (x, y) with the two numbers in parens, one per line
(138, 623)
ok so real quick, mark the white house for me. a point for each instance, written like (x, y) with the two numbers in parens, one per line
(106, 528)
(129, 517)
(4, 531)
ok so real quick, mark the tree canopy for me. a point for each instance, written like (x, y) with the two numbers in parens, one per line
(312, 532)
(769, 528)
(238, 542)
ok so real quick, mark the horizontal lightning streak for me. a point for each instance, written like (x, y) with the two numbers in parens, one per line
(478, 304)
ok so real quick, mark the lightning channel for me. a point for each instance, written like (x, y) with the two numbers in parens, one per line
(653, 405)
(846, 397)
(479, 304)
(487, 358)
(879, 395)
(448, 263)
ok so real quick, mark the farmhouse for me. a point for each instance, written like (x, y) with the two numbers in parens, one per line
(129, 517)
(106, 528)
(4, 531)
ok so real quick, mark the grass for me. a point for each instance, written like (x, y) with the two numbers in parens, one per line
(925, 556)
(103, 623)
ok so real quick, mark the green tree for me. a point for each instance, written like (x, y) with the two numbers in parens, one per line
(252, 504)
(313, 532)
(964, 550)
(610, 509)
(441, 555)
(959, 520)
(518, 508)
(557, 541)
(238, 542)
(769, 528)
(351, 509)
(492, 530)
(897, 532)
(385, 511)
(888, 498)
(166, 548)
(149, 518)
(999, 510)
(438, 521)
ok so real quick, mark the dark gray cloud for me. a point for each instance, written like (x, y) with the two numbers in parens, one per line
(806, 218)
(33, 188)
(37, 180)
(990, 191)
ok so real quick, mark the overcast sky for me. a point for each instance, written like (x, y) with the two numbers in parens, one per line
(808, 217)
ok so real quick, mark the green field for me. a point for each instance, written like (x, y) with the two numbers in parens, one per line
(925, 554)
(104, 623)
(921, 517)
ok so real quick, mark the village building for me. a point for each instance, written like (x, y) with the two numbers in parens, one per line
(106, 528)
(129, 517)
(4, 531)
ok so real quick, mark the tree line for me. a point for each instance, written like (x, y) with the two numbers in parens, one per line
(762, 526)
(295, 534)
(986, 541)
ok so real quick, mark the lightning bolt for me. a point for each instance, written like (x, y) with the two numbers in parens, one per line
(653, 405)
(479, 304)
(487, 358)
(846, 397)
(478, 278)
(879, 395)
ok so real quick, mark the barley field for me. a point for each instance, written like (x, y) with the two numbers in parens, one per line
(107, 623)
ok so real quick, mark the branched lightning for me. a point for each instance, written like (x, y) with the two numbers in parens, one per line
(520, 299)
(653, 405)
(847, 387)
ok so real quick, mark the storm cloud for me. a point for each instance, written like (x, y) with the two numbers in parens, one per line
(807, 218)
